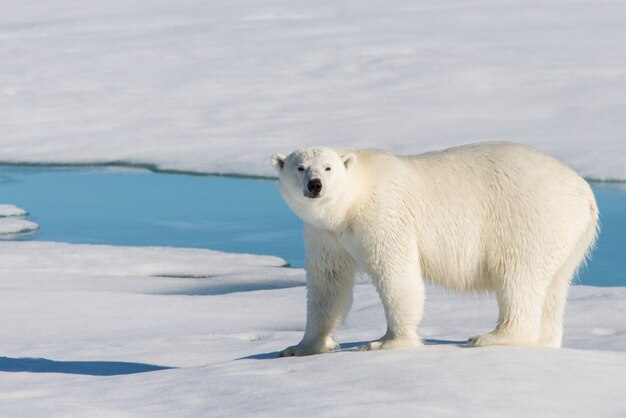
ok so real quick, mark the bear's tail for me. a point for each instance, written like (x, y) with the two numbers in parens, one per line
(587, 242)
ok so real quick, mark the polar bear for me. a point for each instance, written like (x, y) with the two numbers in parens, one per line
(491, 216)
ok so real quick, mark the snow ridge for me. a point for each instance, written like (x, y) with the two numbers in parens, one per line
(12, 222)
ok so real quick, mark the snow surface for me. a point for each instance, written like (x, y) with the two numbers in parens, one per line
(14, 226)
(11, 210)
(221, 86)
(12, 223)
(80, 323)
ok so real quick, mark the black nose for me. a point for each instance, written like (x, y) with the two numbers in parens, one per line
(315, 186)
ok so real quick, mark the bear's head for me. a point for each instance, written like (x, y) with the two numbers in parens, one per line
(314, 179)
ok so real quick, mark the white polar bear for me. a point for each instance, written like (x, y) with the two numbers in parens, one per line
(491, 216)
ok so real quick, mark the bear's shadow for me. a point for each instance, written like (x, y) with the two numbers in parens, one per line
(354, 346)
(89, 368)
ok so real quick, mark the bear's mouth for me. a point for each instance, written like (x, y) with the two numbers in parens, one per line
(312, 195)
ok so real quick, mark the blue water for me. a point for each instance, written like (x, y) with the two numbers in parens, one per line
(139, 207)
(121, 206)
(607, 266)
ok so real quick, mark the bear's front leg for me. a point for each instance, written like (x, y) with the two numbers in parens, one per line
(330, 273)
(399, 283)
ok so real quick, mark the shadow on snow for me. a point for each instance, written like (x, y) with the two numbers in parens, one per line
(216, 284)
(355, 346)
(91, 368)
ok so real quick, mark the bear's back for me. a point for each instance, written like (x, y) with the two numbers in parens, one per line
(507, 200)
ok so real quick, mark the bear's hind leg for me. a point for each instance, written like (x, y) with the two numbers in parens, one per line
(553, 309)
(556, 296)
(554, 305)
(520, 301)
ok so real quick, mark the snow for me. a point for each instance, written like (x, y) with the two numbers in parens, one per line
(13, 226)
(160, 332)
(208, 87)
(12, 222)
(218, 87)
(11, 210)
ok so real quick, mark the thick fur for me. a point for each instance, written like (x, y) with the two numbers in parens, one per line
(491, 216)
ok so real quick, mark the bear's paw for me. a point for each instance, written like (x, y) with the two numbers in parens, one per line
(392, 344)
(308, 349)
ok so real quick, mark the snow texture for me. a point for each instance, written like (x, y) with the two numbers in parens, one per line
(14, 226)
(161, 332)
(11, 210)
(12, 223)
(219, 87)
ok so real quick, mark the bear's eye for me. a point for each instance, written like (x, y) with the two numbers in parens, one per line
(300, 168)
(327, 168)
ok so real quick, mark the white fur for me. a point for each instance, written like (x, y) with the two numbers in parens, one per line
(492, 216)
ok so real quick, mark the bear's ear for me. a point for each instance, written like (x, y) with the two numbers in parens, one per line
(278, 161)
(348, 160)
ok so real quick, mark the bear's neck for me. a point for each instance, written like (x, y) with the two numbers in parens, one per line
(332, 216)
